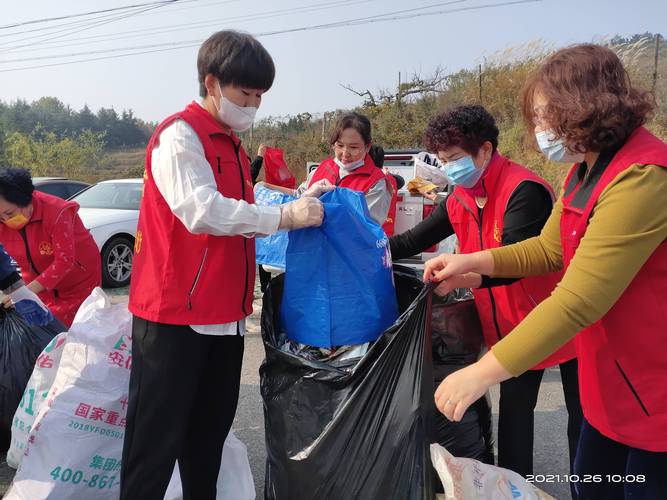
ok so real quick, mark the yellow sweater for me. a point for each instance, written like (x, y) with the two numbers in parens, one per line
(628, 223)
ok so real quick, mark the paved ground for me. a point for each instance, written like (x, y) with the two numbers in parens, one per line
(550, 419)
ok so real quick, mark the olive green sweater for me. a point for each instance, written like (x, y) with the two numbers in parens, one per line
(628, 222)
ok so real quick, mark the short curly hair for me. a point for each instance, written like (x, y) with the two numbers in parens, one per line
(16, 186)
(590, 100)
(467, 126)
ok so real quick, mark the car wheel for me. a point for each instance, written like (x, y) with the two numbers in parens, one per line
(117, 262)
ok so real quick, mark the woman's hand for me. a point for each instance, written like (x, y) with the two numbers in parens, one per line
(462, 388)
(469, 280)
(446, 266)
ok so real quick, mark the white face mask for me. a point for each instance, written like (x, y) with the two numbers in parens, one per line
(555, 149)
(349, 167)
(237, 117)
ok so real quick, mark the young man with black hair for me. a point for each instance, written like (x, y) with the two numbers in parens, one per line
(194, 274)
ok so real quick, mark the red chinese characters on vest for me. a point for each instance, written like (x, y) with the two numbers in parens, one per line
(501, 308)
(622, 357)
(194, 279)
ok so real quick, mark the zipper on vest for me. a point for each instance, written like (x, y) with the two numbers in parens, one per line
(494, 313)
(219, 169)
(194, 284)
(245, 240)
(24, 236)
(634, 392)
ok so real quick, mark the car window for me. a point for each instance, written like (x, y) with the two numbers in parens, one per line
(75, 188)
(58, 189)
(118, 195)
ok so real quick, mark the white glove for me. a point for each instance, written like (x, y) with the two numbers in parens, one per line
(319, 188)
(304, 212)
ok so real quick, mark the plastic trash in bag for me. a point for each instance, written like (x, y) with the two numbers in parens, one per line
(338, 282)
(322, 354)
(20, 345)
(34, 397)
(355, 428)
(74, 448)
(468, 479)
(276, 170)
(271, 250)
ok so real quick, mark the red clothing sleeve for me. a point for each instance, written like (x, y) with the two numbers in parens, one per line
(64, 253)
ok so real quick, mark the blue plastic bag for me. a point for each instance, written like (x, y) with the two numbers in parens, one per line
(339, 287)
(270, 250)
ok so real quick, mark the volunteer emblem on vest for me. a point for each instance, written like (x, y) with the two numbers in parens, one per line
(137, 242)
(496, 232)
(45, 248)
(388, 220)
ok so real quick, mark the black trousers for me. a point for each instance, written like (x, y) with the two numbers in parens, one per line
(518, 398)
(184, 388)
(264, 279)
(610, 470)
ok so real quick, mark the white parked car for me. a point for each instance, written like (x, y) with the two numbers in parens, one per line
(110, 210)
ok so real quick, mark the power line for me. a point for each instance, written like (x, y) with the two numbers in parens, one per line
(194, 43)
(141, 47)
(140, 33)
(82, 14)
(72, 31)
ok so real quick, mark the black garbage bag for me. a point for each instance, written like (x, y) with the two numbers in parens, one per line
(457, 341)
(353, 429)
(20, 345)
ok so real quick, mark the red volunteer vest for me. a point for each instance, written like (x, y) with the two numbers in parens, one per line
(362, 179)
(390, 222)
(501, 308)
(32, 249)
(182, 278)
(622, 357)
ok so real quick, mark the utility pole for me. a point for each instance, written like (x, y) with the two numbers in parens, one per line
(324, 125)
(480, 83)
(655, 63)
(398, 94)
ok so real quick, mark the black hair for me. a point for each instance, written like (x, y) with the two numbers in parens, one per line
(377, 154)
(235, 58)
(467, 126)
(357, 121)
(16, 186)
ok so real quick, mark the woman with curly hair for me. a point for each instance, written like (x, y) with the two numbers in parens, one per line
(608, 232)
(496, 202)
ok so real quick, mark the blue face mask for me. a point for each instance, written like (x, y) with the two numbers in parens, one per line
(462, 172)
(555, 150)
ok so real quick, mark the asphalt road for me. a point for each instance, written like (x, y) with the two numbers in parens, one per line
(550, 419)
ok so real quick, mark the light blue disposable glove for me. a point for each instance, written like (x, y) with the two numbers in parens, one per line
(29, 305)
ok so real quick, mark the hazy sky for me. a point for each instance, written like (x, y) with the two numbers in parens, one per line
(310, 64)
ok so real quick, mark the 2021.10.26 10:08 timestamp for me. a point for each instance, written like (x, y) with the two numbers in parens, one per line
(585, 478)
